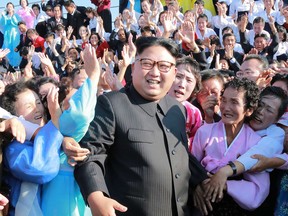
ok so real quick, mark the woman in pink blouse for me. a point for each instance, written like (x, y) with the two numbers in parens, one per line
(26, 14)
(216, 145)
(187, 82)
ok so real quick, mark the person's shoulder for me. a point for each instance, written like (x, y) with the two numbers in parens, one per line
(115, 95)
(250, 133)
(274, 130)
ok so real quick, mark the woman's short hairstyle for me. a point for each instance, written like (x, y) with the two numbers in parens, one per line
(193, 67)
(250, 89)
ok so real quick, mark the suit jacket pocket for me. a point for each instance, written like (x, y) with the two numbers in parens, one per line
(140, 136)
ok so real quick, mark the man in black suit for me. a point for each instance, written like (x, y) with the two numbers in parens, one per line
(24, 40)
(233, 58)
(139, 162)
(57, 19)
(74, 18)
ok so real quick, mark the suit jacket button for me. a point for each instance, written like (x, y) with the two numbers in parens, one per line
(173, 152)
(178, 199)
(168, 131)
(177, 175)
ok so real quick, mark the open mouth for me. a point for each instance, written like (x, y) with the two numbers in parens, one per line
(38, 117)
(227, 115)
(153, 81)
(177, 92)
(256, 118)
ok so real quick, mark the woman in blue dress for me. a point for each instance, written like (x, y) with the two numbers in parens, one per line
(9, 24)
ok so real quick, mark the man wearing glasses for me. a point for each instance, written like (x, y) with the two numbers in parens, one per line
(139, 163)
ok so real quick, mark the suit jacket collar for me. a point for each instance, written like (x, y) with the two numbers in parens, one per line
(150, 107)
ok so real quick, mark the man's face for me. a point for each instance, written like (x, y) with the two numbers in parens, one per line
(69, 9)
(32, 36)
(251, 69)
(49, 12)
(22, 28)
(260, 43)
(211, 87)
(258, 27)
(57, 12)
(121, 35)
(266, 113)
(153, 84)
(230, 40)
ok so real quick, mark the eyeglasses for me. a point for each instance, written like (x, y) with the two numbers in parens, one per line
(148, 64)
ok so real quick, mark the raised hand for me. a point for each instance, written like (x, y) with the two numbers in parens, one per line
(53, 105)
(112, 80)
(91, 63)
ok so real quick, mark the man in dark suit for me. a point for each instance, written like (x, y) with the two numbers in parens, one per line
(139, 162)
(74, 18)
(56, 20)
(24, 40)
(233, 58)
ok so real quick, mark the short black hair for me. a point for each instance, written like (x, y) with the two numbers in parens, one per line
(67, 3)
(280, 77)
(21, 22)
(36, 5)
(143, 43)
(212, 74)
(258, 20)
(262, 60)
(261, 35)
(279, 93)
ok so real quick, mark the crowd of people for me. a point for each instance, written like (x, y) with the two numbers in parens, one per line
(170, 109)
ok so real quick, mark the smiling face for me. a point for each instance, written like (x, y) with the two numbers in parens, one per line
(183, 84)
(94, 40)
(153, 84)
(232, 107)
(30, 107)
(145, 6)
(10, 7)
(266, 113)
(202, 23)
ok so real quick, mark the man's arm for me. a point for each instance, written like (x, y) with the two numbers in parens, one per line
(98, 139)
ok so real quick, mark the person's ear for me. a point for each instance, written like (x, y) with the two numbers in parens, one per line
(249, 112)
(175, 72)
